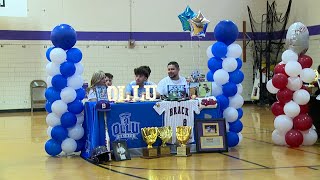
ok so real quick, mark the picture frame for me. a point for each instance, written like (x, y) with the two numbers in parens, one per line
(120, 150)
(101, 93)
(211, 135)
(177, 91)
(205, 89)
(194, 89)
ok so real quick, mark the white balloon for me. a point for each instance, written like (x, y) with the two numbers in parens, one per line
(289, 55)
(291, 109)
(49, 79)
(283, 123)
(294, 83)
(59, 107)
(53, 69)
(271, 88)
(313, 127)
(229, 64)
(240, 137)
(216, 89)
(209, 52)
(75, 81)
(236, 101)
(239, 89)
(307, 75)
(227, 126)
(76, 132)
(49, 129)
(293, 68)
(53, 120)
(301, 97)
(221, 77)
(69, 145)
(80, 118)
(79, 68)
(230, 114)
(309, 137)
(58, 55)
(68, 94)
(278, 138)
(234, 50)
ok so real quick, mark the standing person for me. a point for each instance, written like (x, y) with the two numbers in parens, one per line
(142, 74)
(98, 79)
(109, 79)
(173, 78)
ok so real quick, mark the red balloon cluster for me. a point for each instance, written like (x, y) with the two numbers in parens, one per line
(301, 122)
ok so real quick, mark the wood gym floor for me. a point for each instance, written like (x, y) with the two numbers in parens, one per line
(22, 156)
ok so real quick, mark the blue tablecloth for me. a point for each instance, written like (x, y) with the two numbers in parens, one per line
(125, 121)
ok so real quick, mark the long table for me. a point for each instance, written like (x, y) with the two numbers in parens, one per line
(125, 121)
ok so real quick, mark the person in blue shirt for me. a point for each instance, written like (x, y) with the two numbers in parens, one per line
(142, 74)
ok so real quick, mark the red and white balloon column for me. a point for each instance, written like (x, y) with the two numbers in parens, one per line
(293, 125)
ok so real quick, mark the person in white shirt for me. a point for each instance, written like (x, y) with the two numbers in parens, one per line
(121, 152)
(173, 78)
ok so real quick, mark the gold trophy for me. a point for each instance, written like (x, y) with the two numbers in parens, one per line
(165, 134)
(149, 135)
(183, 135)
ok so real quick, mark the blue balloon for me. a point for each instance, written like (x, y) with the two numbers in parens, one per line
(240, 113)
(239, 61)
(236, 76)
(59, 82)
(229, 89)
(223, 102)
(233, 139)
(75, 107)
(185, 16)
(219, 49)
(236, 126)
(52, 94)
(80, 144)
(209, 76)
(53, 147)
(81, 93)
(48, 107)
(226, 31)
(67, 69)
(63, 36)
(59, 133)
(214, 64)
(68, 120)
(48, 53)
(74, 55)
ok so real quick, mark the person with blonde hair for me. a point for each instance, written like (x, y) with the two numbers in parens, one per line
(98, 79)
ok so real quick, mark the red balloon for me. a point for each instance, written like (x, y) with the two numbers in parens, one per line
(284, 95)
(277, 108)
(302, 122)
(305, 61)
(279, 68)
(280, 81)
(304, 109)
(294, 138)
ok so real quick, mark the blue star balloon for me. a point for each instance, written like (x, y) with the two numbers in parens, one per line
(184, 18)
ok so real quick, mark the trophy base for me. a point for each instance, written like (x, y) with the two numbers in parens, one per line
(149, 153)
(183, 151)
(164, 151)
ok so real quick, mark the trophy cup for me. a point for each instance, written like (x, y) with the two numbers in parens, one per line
(165, 134)
(149, 135)
(183, 135)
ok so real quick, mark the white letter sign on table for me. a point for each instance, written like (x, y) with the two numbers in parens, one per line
(117, 93)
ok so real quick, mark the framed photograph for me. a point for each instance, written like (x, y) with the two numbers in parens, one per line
(205, 89)
(194, 89)
(177, 91)
(211, 135)
(120, 150)
(101, 93)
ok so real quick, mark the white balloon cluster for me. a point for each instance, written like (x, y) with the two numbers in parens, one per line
(226, 78)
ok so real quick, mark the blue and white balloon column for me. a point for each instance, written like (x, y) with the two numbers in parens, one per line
(226, 76)
(64, 93)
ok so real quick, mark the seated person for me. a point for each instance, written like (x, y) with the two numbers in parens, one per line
(98, 79)
(173, 78)
(109, 78)
(142, 74)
